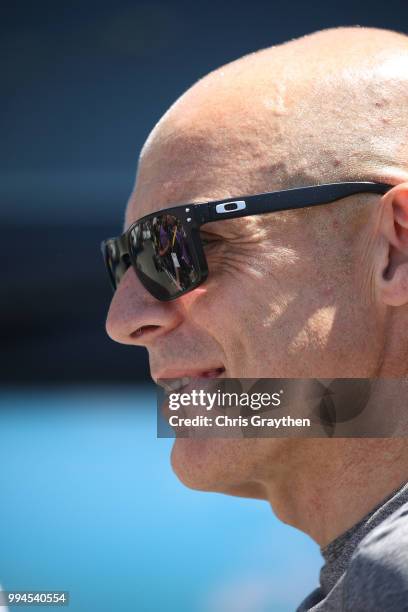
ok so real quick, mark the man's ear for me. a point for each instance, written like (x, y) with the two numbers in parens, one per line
(393, 227)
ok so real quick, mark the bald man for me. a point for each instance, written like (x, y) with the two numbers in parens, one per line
(318, 292)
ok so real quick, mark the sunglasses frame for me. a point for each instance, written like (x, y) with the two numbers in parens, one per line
(193, 216)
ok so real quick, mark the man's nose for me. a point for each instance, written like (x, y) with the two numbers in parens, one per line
(136, 317)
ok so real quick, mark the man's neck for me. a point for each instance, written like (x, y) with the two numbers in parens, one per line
(337, 482)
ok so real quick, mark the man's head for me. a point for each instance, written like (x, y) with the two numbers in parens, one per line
(312, 293)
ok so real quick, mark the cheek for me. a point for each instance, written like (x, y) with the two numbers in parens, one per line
(277, 318)
(236, 306)
(355, 342)
(315, 331)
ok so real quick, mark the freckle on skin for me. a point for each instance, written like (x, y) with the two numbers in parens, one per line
(380, 103)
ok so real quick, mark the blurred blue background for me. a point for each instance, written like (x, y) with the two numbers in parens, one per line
(89, 502)
(90, 506)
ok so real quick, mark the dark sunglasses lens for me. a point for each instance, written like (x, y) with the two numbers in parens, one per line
(115, 264)
(162, 254)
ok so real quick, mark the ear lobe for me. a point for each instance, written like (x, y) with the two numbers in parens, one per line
(394, 229)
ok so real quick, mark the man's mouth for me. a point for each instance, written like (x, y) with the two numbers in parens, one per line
(175, 383)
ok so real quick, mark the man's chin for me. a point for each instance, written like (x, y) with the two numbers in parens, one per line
(216, 465)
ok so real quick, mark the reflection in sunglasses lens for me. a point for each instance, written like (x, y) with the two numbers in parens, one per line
(163, 258)
(117, 266)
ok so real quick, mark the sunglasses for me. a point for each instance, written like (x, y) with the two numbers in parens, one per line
(166, 250)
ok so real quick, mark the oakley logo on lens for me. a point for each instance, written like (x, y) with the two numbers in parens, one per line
(230, 207)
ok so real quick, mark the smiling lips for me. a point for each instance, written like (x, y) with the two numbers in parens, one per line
(176, 381)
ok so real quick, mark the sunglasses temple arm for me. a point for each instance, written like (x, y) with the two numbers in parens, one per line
(202, 213)
(288, 199)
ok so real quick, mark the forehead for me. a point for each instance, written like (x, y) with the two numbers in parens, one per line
(189, 179)
(173, 174)
(208, 152)
(229, 138)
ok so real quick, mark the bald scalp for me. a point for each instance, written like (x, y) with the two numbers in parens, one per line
(329, 106)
